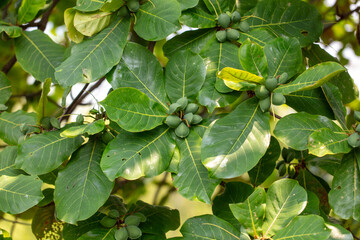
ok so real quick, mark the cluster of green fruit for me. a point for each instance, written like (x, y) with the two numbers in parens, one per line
(266, 95)
(354, 139)
(182, 115)
(287, 165)
(127, 228)
(131, 6)
(224, 20)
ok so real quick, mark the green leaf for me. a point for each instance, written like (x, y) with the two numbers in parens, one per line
(285, 200)
(294, 129)
(312, 78)
(198, 18)
(235, 143)
(5, 88)
(247, 5)
(344, 197)
(220, 6)
(38, 54)
(74, 34)
(133, 155)
(99, 233)
(258, 35)
(309, 227)
(41, 108)
(89, 5)
(157, 19)
(234, 192)
(44, 222)
(92, 59)
(292, 18)
(139, 68)
(333, 97)
(29, 9)
(266, 165)
(338, 232)
(89, 24)
(45, 152)
(311, 101)
(192, 180)
(132, 110)
(18, 194)
(283, 55)
(11, 31)
(10, 125)
(7, 162)
(216, 57)
(252, 58)
(325, 141)
(313, 203)
(194, 40)
(185, 4)
(91, 129)
(184, 75)
(208, 227)
(112, 6)
(239, 76)
(343, 81)
(81, 187)
(251, 213)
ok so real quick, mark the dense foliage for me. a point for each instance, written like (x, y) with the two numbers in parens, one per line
(245, 102)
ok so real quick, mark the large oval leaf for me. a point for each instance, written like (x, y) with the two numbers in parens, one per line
(82, 188)
(235, 143)
(92, 59)
(18, 194)
(89, 24)
(157, 19)
(139, 68)
(252, 58)
(184, 75)
(7, 162)
(309, 227)
(45, 152)
(292, 18)
(285, 200)
(133, 155)
(312, 78)
(294, 129)
(133, 110)
(208, 227)
(192, 179)
(344, 196)
(74, 34)
(29, 9)
(38, 54)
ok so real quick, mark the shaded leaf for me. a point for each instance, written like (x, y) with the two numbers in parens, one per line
(19, 193)
(334, 98)
(133, 110)
(7, 162)
(133, 155)
(219, 6)
(5, 88)
(90, 129)
(235, 143)
(99, 233)
(41, 108)
(11, 31)
(44, 222)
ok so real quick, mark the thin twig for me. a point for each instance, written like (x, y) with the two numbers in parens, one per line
(342, 17)
(274, 114)
(9, 65)
(45, 18)
(161, 184)
(74, 103)
(14, 221)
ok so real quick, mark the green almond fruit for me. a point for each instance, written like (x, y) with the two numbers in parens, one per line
(80, 118)
(283, 78)
(265, 104)
(287, 154)
(232, 34)
(221, 36)
(278, 99)
(261, 92)
(133, 5)
(121, 234)
(191, 108)
(278, 164)
(357, 116)
(134, 232)
(132, 220)
(244, 27)
(291, 170)
(141, 216)
(173, 121)
(271, 83)
(182, 131)
(55, 122)
(108, 222)
(224, 20)
(45, 123)
(196, 119)
(282, 170)
(358, 128)
(175, 107)
(354, 140)
(123, 11)
(189, 117)
(235, 17)
(113, 213)
(183, 102)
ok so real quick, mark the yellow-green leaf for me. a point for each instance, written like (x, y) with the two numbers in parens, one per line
(74, 34)
(89, 24)
(237, 75)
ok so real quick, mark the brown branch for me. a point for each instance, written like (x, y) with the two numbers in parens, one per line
(161, 184)
(342, 17)
(7, 67)
(14, 221)
(5, 10)
(45, 18)
(274, 114)
(151, 46)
